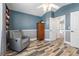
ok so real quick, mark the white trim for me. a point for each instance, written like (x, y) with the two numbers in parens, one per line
(32, 39)
(67, 42)
(46, 39)
(1, 19)
(30, 30)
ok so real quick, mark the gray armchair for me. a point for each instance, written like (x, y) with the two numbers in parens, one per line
(18, 41)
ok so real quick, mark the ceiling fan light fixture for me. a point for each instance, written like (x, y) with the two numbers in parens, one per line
(48, 6)
(54, 6)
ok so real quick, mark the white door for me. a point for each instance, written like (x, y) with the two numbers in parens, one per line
(75, 29)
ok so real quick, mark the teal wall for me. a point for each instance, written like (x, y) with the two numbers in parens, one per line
(20, 20)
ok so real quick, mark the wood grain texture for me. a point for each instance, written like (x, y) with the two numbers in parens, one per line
(40, 31)
(46, 48)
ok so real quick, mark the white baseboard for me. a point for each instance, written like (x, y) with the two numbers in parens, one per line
(32, 39)
(67, 42)
(48, 39)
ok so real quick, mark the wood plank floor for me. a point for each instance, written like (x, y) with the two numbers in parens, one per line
(46, 48)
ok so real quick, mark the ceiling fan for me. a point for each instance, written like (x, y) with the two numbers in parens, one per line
(48, 7)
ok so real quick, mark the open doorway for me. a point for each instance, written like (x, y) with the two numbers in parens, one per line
(57, 27)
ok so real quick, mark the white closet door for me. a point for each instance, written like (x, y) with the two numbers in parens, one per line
(75, 29)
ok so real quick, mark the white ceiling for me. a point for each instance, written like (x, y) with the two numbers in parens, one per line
(32, 8)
